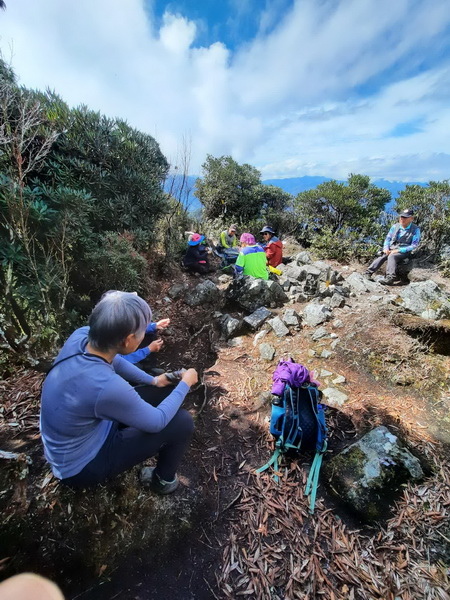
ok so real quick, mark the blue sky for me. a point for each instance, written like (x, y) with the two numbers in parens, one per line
(293, 87)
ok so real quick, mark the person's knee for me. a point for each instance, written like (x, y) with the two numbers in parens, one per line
(184, 421)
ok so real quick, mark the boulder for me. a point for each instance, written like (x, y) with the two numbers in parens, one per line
(251, 293)
(257, 318)
(337, 300)
(319, 333)
(359, 283)
(426, 299)
(334, 397)
(291, 317)
(177, 290)
(205, 292)
(266, 351)
(302, 258)
(279, 327)
(230, 326)
(315, 314)
(367, 474)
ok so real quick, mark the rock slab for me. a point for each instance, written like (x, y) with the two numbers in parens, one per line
(367, 474)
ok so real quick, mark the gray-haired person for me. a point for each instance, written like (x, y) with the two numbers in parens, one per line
(94, 423)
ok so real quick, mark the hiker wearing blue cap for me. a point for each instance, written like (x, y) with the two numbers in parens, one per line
(401, 241)
(196, 256)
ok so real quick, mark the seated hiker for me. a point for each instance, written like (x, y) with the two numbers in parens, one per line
(94, 423)
(272, 247)
(402, 239)
(196, 256)
(228, 237)
(252, 258)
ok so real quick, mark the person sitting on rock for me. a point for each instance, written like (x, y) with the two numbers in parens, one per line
(94, 423)
(228, 237)
(273, 246)
(196, 256)
(252, 258)
(402, 239)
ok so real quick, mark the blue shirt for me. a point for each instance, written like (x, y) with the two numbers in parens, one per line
(398, 231)
(83, 395)
(142, 353)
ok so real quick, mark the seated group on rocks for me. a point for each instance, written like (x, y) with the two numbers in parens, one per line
(248, 257)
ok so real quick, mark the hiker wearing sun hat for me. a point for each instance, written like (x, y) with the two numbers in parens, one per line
(252, 258)
(196, 256)
(401, 241)
(273, 246)
(228, 237)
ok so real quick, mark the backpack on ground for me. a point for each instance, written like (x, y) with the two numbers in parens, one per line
(297, 422)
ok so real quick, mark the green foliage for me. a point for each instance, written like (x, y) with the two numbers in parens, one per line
(354, 205)
(115, 264)
(343, 245)
(68, 176)
(230, 191)
(431, 205)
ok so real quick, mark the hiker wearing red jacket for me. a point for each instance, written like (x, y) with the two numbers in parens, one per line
(272, 247)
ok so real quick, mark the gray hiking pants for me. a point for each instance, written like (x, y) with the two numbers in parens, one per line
(393, 260)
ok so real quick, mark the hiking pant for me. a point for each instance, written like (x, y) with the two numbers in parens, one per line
(202, 268)
(127, 446)
(393, 260)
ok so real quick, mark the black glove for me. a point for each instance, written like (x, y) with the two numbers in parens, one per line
(175, 376)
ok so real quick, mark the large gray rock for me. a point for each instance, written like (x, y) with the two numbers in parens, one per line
(367, 474)
(279, 327)
(291, 318)
(320, 333)
(251, 293)
(303, 258)
(230, 327)
(205, 292)
(359, 283)
(257, 318)
(177, 290)
(315, 314)
(334, 397)
(266, 351)
(426, 299)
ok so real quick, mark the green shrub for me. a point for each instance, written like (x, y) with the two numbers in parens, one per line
(116, 265)
(344, 245)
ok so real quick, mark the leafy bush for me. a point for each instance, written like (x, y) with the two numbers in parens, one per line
(115, 264)
(344, 245)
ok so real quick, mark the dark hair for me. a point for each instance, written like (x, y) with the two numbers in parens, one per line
(116, 316)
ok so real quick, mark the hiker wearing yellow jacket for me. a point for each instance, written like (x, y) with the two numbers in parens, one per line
(228, 237)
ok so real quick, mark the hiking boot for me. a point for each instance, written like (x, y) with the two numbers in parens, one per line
(387, 281)
(149, 477)
(368, 275)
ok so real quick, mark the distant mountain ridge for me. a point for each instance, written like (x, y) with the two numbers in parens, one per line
(295, 185)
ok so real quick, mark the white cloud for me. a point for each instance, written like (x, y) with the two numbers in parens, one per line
(289, 101)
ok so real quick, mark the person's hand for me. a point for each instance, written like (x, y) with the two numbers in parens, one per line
(394, 251)
(161, 381)
(163, 324)
(156, 346)
(190, 377)
(28, 586)
(387, 251)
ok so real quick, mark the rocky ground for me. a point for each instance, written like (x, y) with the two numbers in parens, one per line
(382, 359)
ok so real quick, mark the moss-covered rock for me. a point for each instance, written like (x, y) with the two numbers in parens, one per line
(368, 474)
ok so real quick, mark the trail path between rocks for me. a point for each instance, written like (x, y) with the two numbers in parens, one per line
(254, 538)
